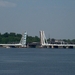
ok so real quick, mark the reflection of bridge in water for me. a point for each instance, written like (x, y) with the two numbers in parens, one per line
(45, 44)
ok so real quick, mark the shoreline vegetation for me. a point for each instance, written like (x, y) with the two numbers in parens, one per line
(15, 38)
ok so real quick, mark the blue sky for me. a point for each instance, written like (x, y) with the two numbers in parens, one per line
(55, 17)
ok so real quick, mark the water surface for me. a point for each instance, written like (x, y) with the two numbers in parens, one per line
(36, 61)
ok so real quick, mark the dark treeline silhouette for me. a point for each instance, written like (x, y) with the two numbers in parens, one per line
(15, 38)
(10, 37)
(66, 41)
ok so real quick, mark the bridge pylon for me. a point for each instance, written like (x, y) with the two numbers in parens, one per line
(43, 40)
(23, 39)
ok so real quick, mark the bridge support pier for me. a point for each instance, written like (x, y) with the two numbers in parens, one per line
(52, 46)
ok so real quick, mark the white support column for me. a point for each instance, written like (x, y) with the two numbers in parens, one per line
(23, 39)
(43, 39)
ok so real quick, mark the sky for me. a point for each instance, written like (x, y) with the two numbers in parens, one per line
(55, 17)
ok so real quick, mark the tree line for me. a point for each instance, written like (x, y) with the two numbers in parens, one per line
(15, 38)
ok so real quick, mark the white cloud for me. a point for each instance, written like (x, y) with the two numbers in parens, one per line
(7, 4)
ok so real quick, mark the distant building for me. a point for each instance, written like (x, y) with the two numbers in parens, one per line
(59, 42)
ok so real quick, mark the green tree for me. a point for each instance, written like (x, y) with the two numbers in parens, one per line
(5, 34)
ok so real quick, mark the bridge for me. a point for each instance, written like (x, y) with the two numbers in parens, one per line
(44, 43)
(22, 42)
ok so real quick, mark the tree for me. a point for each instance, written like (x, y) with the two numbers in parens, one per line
(5, 34)
(52, 40)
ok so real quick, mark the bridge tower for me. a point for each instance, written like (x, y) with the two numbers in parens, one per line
(43, 40)
(23, 39)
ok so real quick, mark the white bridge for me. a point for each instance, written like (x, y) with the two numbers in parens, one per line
(22, 42)
(44, 43)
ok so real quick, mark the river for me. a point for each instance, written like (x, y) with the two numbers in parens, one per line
(37, 61)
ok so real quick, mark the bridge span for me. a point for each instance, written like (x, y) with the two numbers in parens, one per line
(45, 44)
(22, 42)
(58, 45)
